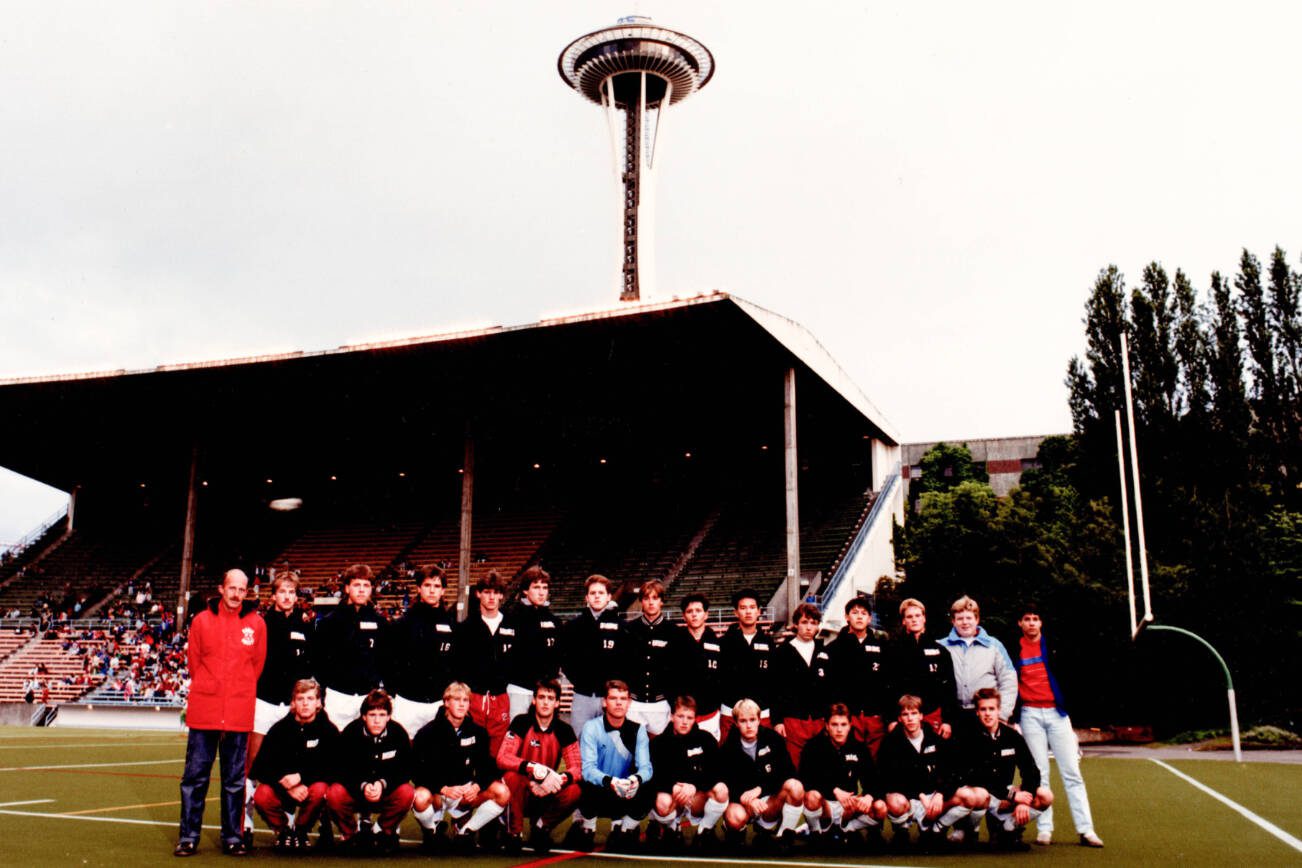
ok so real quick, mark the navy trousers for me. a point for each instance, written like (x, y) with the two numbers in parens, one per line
(202, 747)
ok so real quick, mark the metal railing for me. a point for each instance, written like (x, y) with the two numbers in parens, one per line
(875, 513)
(15, 550)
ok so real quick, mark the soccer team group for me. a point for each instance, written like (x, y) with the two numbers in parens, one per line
(351, 721)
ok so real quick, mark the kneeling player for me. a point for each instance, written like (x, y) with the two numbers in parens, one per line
(840, 781)
(293, 767)
(455, 773)
(616, 758)
(535, 746)
(760, 777)
(990, 753)
(374, 770)
(916, 768)
(687, 778)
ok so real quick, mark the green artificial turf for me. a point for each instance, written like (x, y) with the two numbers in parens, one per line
(126, 815)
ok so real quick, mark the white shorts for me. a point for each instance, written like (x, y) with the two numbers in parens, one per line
(653, 715)
(266, 715)
(412, 715)
(342, 708)
(521, 699)
(710, 724)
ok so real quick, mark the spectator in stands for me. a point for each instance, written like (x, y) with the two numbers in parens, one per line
(289, 633)
(372, 776)
(483, 646)
(592, 647)
(421, 666)
(535, 656)
(747, 654)
(859, 676)
(919, 667)
(701, 671)
(349, 649)
(656, 654)
(228, 644)
(294, 767)
(980, 660)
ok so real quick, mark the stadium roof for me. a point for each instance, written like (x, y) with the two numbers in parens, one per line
(636, 377)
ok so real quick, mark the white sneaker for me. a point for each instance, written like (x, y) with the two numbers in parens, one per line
(957, 836)
(1044, 839)
(1090, 839)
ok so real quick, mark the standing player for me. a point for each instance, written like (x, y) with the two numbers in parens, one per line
(372, 776)
(656, 653)
(295, 768)
(990, 753)
(760, 778)
(842, 791)
(859, 675)
(1046, 726)
(702, 665)
(980, 660)
(616, 760)
(917, 770)
(919, 667)
(228, 644)
(688, 781)
(536, 746)
(747, 655)
(289, 633)
(423, 648)
(455, 773)
(349, 649)
(591, 651)
(800, 675)
(535, 656)
(484, 644)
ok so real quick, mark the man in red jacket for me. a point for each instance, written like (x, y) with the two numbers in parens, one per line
(228, 645)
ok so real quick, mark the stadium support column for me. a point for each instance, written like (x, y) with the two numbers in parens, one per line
(72, 508)
(793, 491)
(467, 514)
(187, 543)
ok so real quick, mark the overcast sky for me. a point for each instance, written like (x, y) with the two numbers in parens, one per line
(929, 188)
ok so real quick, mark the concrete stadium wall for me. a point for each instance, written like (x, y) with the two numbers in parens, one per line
(78, 715)
(16, 713)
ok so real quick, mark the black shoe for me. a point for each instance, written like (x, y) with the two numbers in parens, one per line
(285, 841)
(512, 845)
(706, 841)
(900, 838)
(248, 838)
(463, 844)
(185, 848)
(431, 842)
(734, 840)
(386, 843)
(655, 833)
(235, 848)
(618, 841)
(578, 838)
(872, 840)
(672, 842)
(1011, 842)
(784, 843)
(325, 838)
(490, 837)
(540, 841)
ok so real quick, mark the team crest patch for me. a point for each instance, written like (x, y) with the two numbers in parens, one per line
(247, 636)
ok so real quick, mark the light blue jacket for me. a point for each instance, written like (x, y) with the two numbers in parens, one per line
(606, 755)
(984, 663)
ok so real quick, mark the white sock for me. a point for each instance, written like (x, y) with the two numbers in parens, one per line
(953, 815)
(790, 816)
(427, 818)
(628, 824)
(588, 825)
(901, 821)
(713, 811)
(450, 806)
(249, 787)
(814, 820)
(919, 812)
(863, 821)
(976, 817)
(664, 820)
(484, 814)
(836, 812)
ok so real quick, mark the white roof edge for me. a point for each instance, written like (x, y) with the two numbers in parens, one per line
(802, 343)
(625, 309)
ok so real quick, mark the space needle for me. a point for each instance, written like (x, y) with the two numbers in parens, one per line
(636, 70)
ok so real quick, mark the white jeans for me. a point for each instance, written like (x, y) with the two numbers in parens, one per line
(1045, 729)
(583, 709)
(342, 708)
(653, 715)
(412, 715)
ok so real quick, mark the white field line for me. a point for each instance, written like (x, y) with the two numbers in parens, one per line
(28, 802)
(92, 765)
(1263, 823)
(131, 744)
(598, 854)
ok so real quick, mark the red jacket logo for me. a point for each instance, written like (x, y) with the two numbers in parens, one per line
(247, 636)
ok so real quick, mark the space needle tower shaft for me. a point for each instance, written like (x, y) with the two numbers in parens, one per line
(635, 71)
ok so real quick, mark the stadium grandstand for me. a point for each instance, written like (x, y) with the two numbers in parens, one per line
(687, 441)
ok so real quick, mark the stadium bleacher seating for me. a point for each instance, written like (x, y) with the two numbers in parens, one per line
(321, 553)
(90, 564)
(59, 665)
